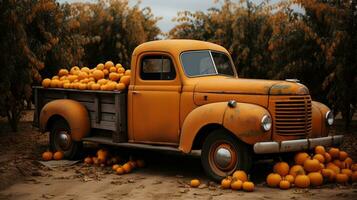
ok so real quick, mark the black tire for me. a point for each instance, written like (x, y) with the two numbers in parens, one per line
(222, 137)
(73, 149)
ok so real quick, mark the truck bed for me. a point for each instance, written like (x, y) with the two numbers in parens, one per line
(107, 109)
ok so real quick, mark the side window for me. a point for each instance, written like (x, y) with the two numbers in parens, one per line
(157, 68)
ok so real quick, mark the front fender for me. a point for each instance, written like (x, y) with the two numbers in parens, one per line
(319, 126)
(243, 121)
(73, 112)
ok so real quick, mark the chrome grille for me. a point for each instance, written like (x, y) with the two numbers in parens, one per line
(293, 116)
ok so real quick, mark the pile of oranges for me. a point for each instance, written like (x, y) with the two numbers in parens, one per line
(314, 170)
(107, 77)
(103, 158)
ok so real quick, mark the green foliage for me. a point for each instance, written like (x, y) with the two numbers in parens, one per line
(274, 41)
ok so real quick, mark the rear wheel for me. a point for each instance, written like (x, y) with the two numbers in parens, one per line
(61, 140)
(222, 154)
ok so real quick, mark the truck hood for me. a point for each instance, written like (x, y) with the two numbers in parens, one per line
(249, 86)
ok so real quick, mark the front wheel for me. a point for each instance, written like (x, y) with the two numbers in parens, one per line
(61, 140)
(222, 154)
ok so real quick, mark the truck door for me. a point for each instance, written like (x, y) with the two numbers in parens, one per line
(155, 100)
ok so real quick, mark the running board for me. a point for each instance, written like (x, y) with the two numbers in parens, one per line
(109, 141)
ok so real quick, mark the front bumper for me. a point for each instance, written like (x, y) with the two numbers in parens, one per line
(296, 145)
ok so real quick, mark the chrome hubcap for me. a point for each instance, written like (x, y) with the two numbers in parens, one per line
(223, 157)
(64, 140)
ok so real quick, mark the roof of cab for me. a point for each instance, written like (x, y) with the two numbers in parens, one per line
(177, 46)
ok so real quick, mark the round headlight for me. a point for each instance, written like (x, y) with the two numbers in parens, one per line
(266, 122)
(329, 118)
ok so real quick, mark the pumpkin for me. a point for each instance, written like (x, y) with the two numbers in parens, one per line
(341, 178)
(328, 174)
(47, 155)
(354, 176)
(273, 179)
(85, 69)
(102, 155)
(316, 178)
(120, 86)
(319, 157)
(312, 165)
(301, 157)
(140, 163)
(302, 181)
(127, 72)
(118, 65)
(115, 167)
(348, 162)
(58, 155)
(296, 170)
(121, 70)
(125, 79)
(112, 69)
(127, 167)
(289, 178)
(240, 175)
(337, 163)
(88, 160)
(108, 65)
(106, 72)
(282, 168)
(343, 155)
(120, 171)
(195, 183)
(98, 74)
(354, 167)
(333, 167)
(46, 82)
(236, 184)
(63, 72)
(327, 157)
(74, 70)
(284, 184)
(348, 172)
(320, 150)
(334, 152)
(226, 183)
(100, 66)
(114, 76)
(248, 186)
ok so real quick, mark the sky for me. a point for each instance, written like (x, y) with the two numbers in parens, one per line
(167, 9)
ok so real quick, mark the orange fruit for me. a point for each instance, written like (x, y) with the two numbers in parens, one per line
(58, 155)
(114, 76)
(46, 82)
(127, 167)
(120, 86)
(100, 66)
(63, 72)
(121, 70)
(112, 69)
(115, 167)
(320, 150)
(125, 79)
(226, 183)
(86, 69)
(240, 175)
(248, 186)
(273, 179)
(108, 65)
(47, 155)
(236, 184)
(120, 170)
(195, 183)
(282, 168)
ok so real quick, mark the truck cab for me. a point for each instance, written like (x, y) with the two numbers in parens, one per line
(186, 95)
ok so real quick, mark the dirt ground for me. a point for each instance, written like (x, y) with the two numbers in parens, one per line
(165, 177)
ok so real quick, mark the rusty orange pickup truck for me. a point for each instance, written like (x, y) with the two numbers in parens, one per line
(186, 95)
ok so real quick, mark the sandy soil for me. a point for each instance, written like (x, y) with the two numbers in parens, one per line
(165, 177)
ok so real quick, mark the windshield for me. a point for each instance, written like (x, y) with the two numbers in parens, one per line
(199, 63)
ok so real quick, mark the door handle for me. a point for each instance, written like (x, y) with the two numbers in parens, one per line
(136, 92)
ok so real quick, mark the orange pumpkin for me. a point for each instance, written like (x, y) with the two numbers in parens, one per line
(108, 65)
(296, 170)
(312, 165)
(354, 176)
(240, 175)
(348, 162)
(348, 172)
(301, 157)
(100, 66)
(334, 152)
(337, 163)
(320, 150)
(327, 157)
(333, 167)
(115, 167)
(319, 157)
(120, 171)
(58, 155)
(248, 186)
(98, 74)
(236, 184)
(125, 79)
(282, 168)
(302, 181)
(102, 155)
(273, 179)
(284, 184)
(343, 155)
(290, 178)
(354, 167)
(328, 174)
(47, 155)
(127, 167)
(316, 178)
(46, 82)
(88, 160)
(195, 183)
(341, 178)
(226, 183)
